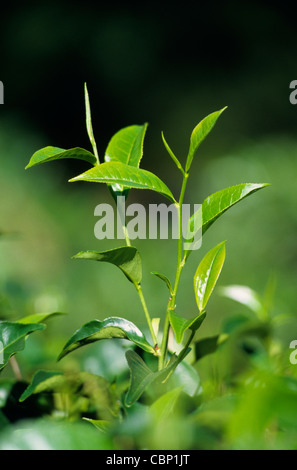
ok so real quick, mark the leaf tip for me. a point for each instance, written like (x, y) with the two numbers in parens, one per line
(222, 244)
(72, 180)
(85, 88)
(78, 255)
(61, 355)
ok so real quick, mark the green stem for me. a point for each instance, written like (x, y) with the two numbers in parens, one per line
(128, 243)
(147, 315)
(179, 266)
(141, 297)
(182, 354)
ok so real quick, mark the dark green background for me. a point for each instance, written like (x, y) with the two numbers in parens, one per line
(163, 63)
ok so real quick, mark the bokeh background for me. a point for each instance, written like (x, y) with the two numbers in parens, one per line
(169, 65)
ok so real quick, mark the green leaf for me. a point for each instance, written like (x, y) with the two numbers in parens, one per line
(216, 204)
(200, 132)
(47, 154)
(12, 338)
(165, 279)
(95, 389)
(209, 345)
(247, 328)
(207, 274)
(112, 327)
(180, 324)
(174, 158)
(50, 434)
(39, 317)
(127, 258)
(186, 376)
(42, 381)
(155, 325)
(89, 125)
(243, 295)
(126, 146)
(125, 175)
(164, 406)
(142, 376)
(100, 424)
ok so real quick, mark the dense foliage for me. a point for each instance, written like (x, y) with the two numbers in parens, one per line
(149, 394)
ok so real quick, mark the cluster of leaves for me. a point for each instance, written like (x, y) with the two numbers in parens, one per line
(251, 406)
(156, 373)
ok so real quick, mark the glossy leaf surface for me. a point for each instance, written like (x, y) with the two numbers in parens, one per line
(207, 274)
(125, 175)
(200, 132)
(48, 154)
(12, 338)
(126, 258)
(126, 146)
(216, 204)
(112, 327)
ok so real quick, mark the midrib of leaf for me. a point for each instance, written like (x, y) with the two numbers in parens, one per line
(22, 337)
(144, 180)
(130, 153)
(234, 200)
(13, 342)
(208, 276)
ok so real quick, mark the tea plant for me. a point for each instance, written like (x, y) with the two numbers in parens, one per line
(157, 365)
(121, 172)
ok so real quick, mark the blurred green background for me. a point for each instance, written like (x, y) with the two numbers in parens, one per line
(170, 66)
